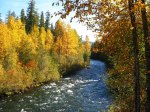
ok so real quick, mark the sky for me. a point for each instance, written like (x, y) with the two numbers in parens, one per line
(43, 5)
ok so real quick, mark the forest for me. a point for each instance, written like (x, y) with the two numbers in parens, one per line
(125, 47)
(32, 51)
(123, 42)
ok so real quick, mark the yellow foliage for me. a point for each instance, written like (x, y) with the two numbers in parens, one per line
(42, 37)
(35, 36)
(25, 59)
(5, 42)
(49, 40)
(87, 45)
(14, 27)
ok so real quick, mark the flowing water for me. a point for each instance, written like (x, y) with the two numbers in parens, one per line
(85, 91)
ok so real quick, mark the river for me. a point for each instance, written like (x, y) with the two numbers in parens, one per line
(85, 91)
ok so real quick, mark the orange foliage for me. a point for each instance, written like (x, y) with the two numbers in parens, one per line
(31, 64)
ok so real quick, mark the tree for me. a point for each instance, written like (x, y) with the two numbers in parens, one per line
(32, 17)
(42, 20)
(4, 41)
(136, 58)
(106, 11)
(10, 13)
(22, 16)
(49, 40)
(147, 53)
(87, 49)
(71, 42)
(1, 19)
(59, 33)
(42, 37)
(59, 28)
(35, 36)
(47, 21)
(13, 26)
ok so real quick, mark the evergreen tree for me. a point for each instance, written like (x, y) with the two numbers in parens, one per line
(10, 13)
(42, 20)
(22, 16)
(47, 21)
(52, 28)
(0, 18)
(32, 17)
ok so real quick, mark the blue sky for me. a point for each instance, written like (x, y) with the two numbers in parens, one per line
(42, 5)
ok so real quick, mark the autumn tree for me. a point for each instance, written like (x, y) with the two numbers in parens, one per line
(71, 41)
(67, 46)
(87, 49)
(30, 54)
(105, 13)
(13, 28)
(42, 37)
(4, 41)
(59, 33)
(66, 40)
(49, 41)
(59, 28)
(70, 45)
(35, 36)
(136, 57)
(147, 51)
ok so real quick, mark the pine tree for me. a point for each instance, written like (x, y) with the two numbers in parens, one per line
(0, 18)
(10, 14)
(52, 28)
(13, 14)
(42, 20)
(22, 16)
(47, 21)
(32, 17)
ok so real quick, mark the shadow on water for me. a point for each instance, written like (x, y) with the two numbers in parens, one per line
(84, 92)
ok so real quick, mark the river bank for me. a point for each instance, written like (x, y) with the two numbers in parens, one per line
(84, 91)
(66, 73)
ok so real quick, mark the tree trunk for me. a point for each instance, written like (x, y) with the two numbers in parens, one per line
(136, 58)
(147, 55)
